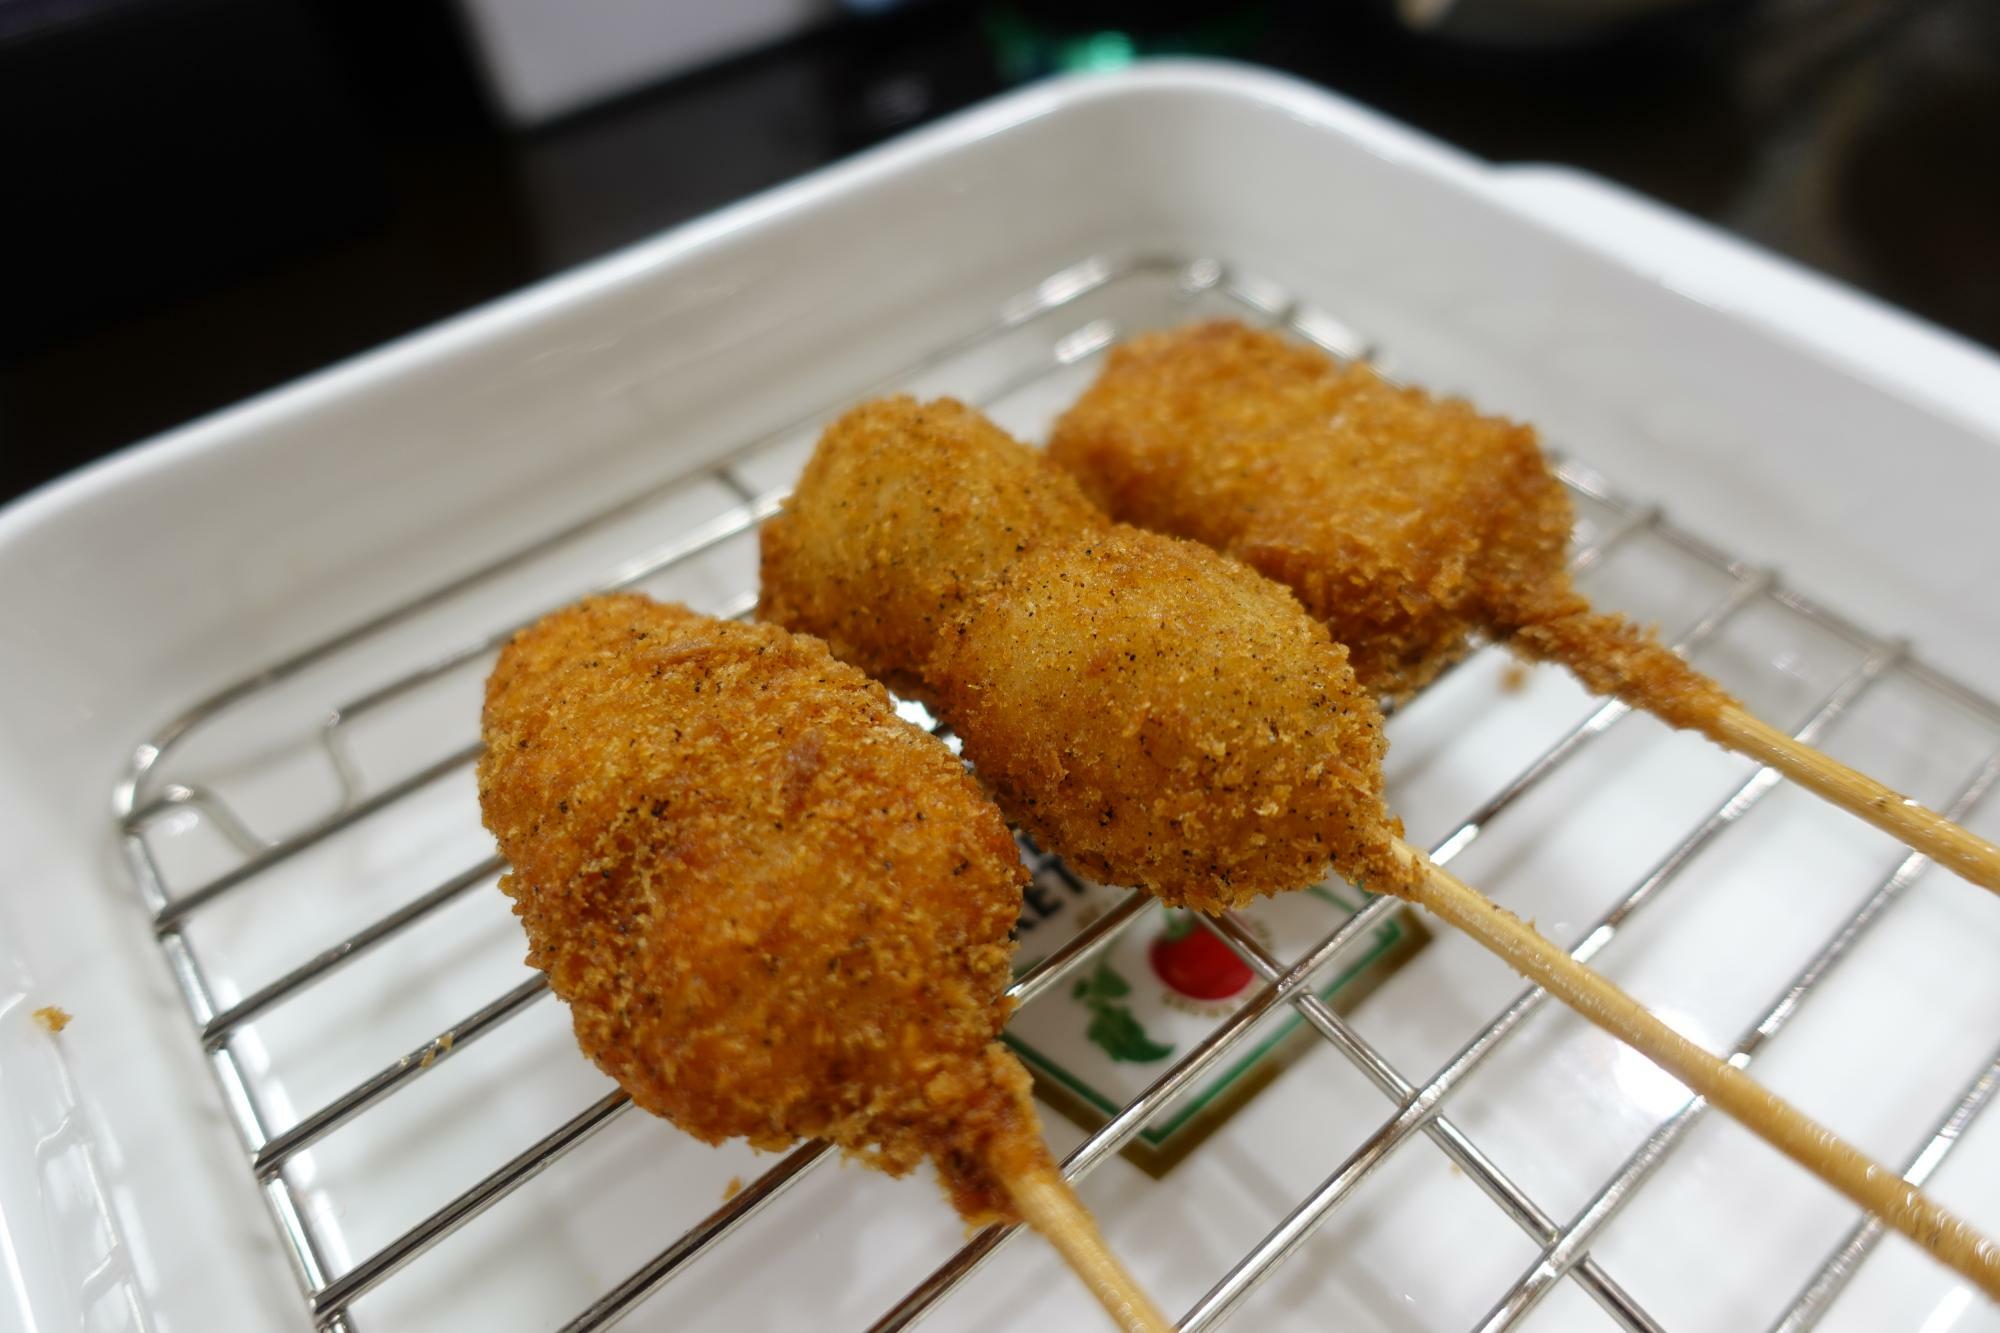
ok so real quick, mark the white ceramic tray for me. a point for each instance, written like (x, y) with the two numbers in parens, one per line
(1782, 421)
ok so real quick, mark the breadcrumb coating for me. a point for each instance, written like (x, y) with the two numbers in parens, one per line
(1404, 522)
(1157, 713)
(904, 509)
(1171, 720)
(775, 910)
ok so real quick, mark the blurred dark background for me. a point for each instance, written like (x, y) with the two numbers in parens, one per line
(206, 198)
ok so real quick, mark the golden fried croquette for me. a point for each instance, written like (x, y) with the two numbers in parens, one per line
(1158, 714)
(1404, 522)
(903, 509)
(1170, 720)
(775, 910)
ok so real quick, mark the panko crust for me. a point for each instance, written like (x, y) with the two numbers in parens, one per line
(776, 910)
(1404, 522)
(1169, 719)
(903, 512)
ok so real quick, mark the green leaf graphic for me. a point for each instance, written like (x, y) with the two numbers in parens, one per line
(1107, 984)
(1112, 1025)
(1122, 1037)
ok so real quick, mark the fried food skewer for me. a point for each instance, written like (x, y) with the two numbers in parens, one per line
(775, 910)
(1407, 523)
(1166, 718)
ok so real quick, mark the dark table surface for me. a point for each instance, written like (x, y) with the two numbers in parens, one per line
(226, 194)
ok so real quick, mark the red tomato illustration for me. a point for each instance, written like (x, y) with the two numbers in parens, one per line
(1193, 961)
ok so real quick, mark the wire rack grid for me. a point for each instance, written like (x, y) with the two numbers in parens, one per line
(312, 776)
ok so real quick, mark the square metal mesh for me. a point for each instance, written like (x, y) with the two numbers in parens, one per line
(226, 804)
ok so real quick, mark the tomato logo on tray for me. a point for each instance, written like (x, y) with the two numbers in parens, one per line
(1154, 991)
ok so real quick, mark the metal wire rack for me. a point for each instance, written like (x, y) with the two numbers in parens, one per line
(1052, 331)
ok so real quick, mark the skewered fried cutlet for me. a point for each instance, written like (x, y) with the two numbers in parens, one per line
(1167, 718)
(775, 910)
(1404, 522)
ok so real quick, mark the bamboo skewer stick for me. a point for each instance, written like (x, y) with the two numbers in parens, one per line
(1914, 825)
(1051, 1207)
(1873, 1187)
